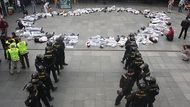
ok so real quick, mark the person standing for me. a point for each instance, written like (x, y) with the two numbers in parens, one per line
(46, 7)
(185, 25)
(180, 5)
(3, 42)
(3, 26)
(57, 4)
(139, 98)
(170, 5)
(22, 46)
(33, 6)
(13, 56)
(126, 84)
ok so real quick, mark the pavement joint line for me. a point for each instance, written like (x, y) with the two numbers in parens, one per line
(110, 50)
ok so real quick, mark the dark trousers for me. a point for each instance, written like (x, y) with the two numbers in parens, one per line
(4, 47)
(183, 29)
(24, 57)
(50, 82)
(63, 57)
(120, 96)
(124, 56)
(45, 100)
(52, 69)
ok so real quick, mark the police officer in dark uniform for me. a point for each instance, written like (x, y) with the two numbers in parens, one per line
(152, 90)
(49, 60)
(138, 98)
(41, 89)
(128, 45)
(130, 56)
(33, 100)
(59, 55)
(45, 78)
(61, 42)
(136, 63)
(39, 61)
(126, 84)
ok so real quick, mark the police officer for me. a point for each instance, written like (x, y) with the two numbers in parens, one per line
(130, 56)
(138, 98)
(61, 42)
(46, 81)
(45, 78)
(41, 88)
(13, 56)
(49, 60)
(128, 45)
(22, 46)
(126, 84)
(152, 90)
(33, 100)
(59, 56)
(39, 61)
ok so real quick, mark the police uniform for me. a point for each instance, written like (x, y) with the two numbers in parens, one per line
(41, 88)
(13, 56)
(61, 42)
(152, 90)
(49, 62)
(59, 56)
(126, 84)
(45, 78)
(138, 98)
(22, 46)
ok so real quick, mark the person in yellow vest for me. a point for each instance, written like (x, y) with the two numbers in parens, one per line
(22, 46)
(8, 41)
(13, 57)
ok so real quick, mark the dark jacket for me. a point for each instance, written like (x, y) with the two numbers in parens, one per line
(185, 24)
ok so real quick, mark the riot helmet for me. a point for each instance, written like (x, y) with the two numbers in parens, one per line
(49, 43)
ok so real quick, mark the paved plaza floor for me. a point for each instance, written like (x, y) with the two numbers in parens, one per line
(92, 76)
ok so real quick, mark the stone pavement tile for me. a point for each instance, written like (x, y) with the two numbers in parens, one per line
(187, 96)
(100, 103)
(110, 93)
(177, 77)
(186, 76)
(78, 103)
(171, 54)
(89, 103)
(179, 103)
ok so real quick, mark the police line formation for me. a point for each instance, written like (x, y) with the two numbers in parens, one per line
(137, 71)
(40, 85)
(145, 35)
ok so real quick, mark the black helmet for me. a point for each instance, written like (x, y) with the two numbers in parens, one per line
(34, 75)
(152, 80)
(39, 57)
(142, 86)
(49, 43)
(132, 38)
(41, 68)
(29, 87)
(130, 71)
(131, 35)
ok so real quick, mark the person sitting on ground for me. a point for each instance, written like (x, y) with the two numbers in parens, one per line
(186, 52)
(20, 25)
(170, 34)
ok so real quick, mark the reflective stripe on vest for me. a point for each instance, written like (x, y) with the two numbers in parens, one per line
(14, 54)
(22, 47)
